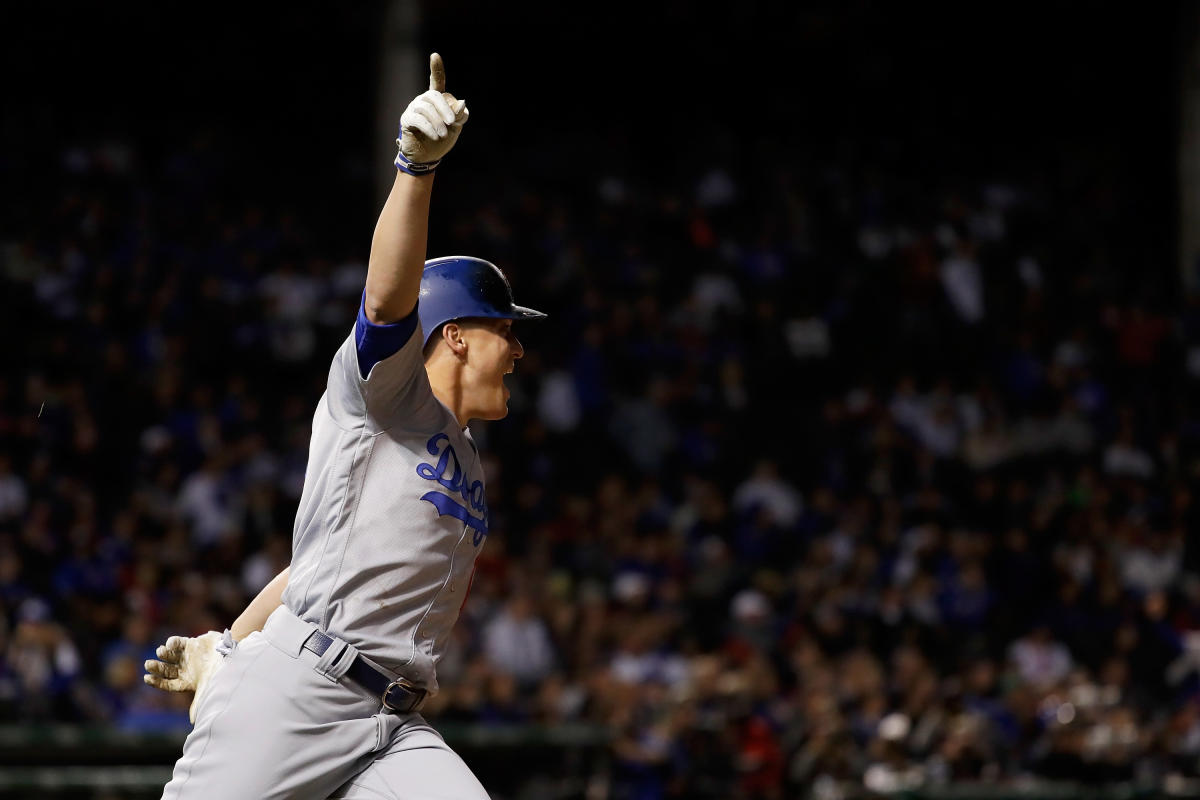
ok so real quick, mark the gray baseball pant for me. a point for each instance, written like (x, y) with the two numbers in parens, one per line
(281, 722)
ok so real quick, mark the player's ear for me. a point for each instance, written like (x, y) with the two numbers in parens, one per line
(452, 335)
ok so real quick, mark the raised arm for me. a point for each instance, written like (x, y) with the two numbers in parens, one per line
(429, 127)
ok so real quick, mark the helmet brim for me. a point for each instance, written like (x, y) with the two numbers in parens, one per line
(521, 312)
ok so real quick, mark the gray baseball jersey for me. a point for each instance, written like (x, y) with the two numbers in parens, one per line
(392, 515)
(390, 521)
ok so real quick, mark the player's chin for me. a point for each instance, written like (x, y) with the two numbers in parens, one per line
(500, 409)
(499, 412)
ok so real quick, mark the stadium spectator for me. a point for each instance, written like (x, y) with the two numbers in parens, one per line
(884, 489)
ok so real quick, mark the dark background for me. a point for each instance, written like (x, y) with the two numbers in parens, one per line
(166, 174)
(1020, 88)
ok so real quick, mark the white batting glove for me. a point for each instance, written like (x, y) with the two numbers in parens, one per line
(187, 665)
(430, 125)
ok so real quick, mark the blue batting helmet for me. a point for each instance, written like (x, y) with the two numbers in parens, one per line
(455, 287)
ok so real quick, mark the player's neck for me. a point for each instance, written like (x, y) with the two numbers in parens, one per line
(445, 380)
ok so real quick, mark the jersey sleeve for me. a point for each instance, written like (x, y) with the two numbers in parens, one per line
(378, 376)
(376, 342)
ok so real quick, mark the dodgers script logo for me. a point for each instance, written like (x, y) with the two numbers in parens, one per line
(456, 482)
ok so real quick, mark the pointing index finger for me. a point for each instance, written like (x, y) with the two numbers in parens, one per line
(437, 73)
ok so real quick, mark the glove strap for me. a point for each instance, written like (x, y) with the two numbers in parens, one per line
(404, 165)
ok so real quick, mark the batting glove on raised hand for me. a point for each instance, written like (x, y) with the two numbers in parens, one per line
(187, 664)
(430, 125)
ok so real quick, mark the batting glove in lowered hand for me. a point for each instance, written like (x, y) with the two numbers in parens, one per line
(187, 664)
(430, 125)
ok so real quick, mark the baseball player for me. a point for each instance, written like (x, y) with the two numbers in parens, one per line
(315, 690)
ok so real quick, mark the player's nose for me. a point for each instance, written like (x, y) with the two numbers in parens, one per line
(518, 349)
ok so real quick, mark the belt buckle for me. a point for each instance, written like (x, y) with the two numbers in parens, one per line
(407, 685)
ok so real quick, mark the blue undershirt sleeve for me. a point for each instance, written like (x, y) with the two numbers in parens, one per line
(374, 342)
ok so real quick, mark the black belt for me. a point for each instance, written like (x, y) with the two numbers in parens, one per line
(398, 695)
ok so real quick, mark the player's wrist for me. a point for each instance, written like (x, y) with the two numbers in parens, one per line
(417, 169)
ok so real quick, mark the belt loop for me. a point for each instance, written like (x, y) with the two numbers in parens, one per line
(334, 662)
(287, 631)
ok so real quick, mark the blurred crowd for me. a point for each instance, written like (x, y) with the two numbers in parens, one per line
(814, 476)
